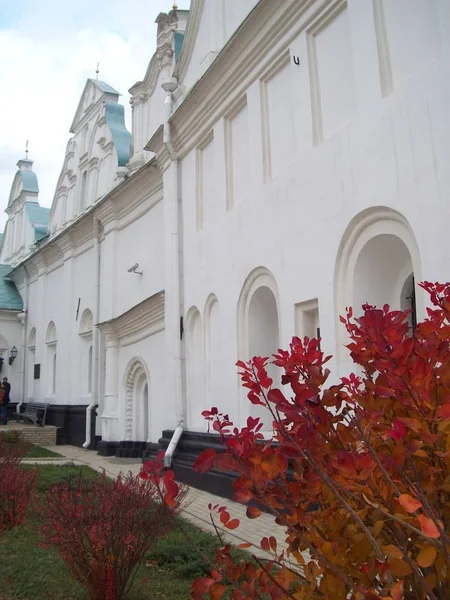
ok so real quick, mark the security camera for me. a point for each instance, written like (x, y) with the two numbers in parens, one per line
(134, 268)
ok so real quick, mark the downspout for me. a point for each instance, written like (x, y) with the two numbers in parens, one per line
(95, 339)
(24, 318)
(169, 87)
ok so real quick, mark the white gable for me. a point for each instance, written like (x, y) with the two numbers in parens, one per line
(211, 24)
(97, 152)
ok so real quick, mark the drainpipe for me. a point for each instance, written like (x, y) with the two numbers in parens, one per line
(95, 338)
(23, 316)
(169, 86)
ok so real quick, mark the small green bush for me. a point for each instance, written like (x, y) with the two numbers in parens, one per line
(177, 552)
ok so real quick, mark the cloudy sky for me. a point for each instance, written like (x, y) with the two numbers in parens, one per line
(47, 50)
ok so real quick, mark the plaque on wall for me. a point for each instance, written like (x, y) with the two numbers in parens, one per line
(37, 371)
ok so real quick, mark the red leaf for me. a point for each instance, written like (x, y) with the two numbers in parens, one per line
(273, 543)
(253, 512)
(409, 503)
(224, 517)
(444, 411)
(428, 527)
(245, 545)
(200, 587)
(217, 591)
(205, 462)
(276, 396)
(265, 544)
(233, 524)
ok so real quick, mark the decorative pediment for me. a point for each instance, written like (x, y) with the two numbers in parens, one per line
(93, 91)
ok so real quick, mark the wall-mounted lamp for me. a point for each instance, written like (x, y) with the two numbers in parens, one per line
(13, 354)
(134, 269)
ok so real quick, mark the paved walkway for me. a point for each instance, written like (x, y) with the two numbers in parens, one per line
(197, 507)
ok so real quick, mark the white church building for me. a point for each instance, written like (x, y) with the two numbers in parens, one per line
(287, 159)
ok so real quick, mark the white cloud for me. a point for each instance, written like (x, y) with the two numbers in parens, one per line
(46, 53)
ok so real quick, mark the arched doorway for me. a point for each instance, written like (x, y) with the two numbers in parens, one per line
(137, 402)
(378, 263)
(379, 275)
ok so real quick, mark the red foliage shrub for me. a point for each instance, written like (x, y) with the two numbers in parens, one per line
(359, 477)
(102, 529)
(17, 486)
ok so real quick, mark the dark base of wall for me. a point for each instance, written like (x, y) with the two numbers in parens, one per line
(122, 449)
(71, 423)
(11, 407)
(188, 449)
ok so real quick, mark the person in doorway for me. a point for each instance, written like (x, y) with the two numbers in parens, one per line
(5, 399)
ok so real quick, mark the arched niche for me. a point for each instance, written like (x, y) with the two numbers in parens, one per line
(85, 332)
(215, 367)
(195, 370)
(259, 328)
(31, 360)
(378, 262)
(51, 340)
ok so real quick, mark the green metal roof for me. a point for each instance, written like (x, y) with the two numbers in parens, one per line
(29, 181)
(38, 217)
(9, 296)
(115, 118)
(104, 87)
(179, 38)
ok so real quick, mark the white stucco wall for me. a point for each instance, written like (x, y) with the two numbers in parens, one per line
(352, 147)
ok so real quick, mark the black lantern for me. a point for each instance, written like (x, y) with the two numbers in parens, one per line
(12, 355)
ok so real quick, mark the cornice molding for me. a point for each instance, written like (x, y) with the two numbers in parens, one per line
(243, 60)
(156, 145)
(141, 321)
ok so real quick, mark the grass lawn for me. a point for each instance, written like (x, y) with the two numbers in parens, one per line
(30, 572)
(40, 452)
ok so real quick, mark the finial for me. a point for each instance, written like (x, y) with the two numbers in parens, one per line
(26, 150)
(97, 71)
(174, 6)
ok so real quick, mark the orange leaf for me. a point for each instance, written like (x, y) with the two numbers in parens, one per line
(428, 527)
(245, 545)
(409, 503)
(392, 551)
(233, 524)
(426, 556)
(253, 512)
(217, 591)
(397, 591)
(399, 568)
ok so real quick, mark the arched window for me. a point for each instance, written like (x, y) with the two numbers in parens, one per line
(83, 191)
